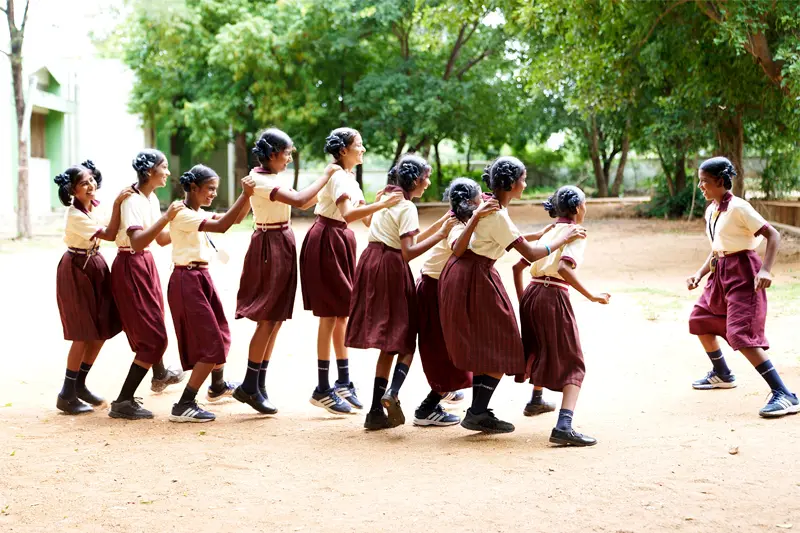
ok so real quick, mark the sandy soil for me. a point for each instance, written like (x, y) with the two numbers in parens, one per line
(663, 462)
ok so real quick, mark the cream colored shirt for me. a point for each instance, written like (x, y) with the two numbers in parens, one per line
(137, 212)
(734, 225)
(189, 242)
(571, 252)
(393, 223)
(441, 252)
(342, 185)
(266, 209)
(82, 227)
(494, 235)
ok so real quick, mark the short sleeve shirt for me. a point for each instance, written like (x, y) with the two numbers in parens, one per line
(341, 186)
(266, 209)
(189, 242)
(82, 227)
(494, 235)
(571, 252)
(734, 225)
(137, 212)
(441, 252)
(394, 223)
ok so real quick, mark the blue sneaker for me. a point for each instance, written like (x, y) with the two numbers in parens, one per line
(715, 381)
(453, 397)
(435, 417)
(347, 392)
(214, 396)
(330, 401)
(780, 404)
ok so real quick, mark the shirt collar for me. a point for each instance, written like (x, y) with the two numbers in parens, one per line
(726, 199)
(135, 187)
(77, 204)
(261, 170)
(396, 188)
(564, 220)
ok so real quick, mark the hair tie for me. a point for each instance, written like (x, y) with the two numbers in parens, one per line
(62, 179)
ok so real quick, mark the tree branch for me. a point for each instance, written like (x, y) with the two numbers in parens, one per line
(486, 53)
(710, 11)
(24, 18)
(454, 52)
(658, 20)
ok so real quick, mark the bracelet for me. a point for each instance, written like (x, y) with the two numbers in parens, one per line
(548, 249)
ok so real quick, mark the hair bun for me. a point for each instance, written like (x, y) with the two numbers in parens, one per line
(334, 145)
(408, 171)
(141, 163)
(62, 179)
(486, 175)
(263, 149)
(187, 178)
(89, 164)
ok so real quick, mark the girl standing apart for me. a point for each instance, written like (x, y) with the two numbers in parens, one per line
(200, 324)
(549, 330)
(269, 276)
(137, 286)
(328, 262)
(734, 302)
(83, 284)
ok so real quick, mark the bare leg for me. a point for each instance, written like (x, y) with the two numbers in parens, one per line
(709, 342)
(756, 356)
(570, 397)
(384, 366)
(271, 344)
(339, 331)
(261, 341)
(324, 336)
(75, 355)
(92, 351)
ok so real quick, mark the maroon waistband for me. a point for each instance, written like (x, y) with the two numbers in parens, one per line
(384, 247)
(325, 221)
(131, 251)
(723, 255)
(547, 281)
(276, 226)
(469, 255)
(191, 266)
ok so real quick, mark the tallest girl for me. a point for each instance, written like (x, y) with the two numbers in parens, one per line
(328, 262)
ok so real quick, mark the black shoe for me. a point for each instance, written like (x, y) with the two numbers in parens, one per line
(377, 419)
(73, 406)
(537, 408)
(392, 404)
(486, 423)
(570, 437)
(256, 401)
(129, 410)
(172, 377)
(190, 412)
(87, 396)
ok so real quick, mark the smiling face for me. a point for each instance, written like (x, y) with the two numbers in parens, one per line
(354, 154)
(519, 185)
(711, 186)
(205, 193)
(280, 160)
(581, 213)
(85, 188)
(158, 174)
(422, 184)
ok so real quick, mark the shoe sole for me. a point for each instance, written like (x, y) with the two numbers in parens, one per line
(162, 386)
(564, 442)
(216, 399)
(714, 386)
(536, 412)
(317, 403)
(453, 402)
(246, 401)
(482, 429)
(793, 410)
(123, 416)
(180, 419)
(424, 422)
(394, 412)
(75, 413)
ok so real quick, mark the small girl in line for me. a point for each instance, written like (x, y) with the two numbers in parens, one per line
(328, 263)
(89, 315)
(200, 324)
(734, 302)
(549, 330)
(383, 312)
(269, 276)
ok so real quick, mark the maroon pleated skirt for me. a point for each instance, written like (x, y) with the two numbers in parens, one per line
(327, 267)
(479, 324)
(383, 308)
(442, 375)
(550, 338)
(137, 288)
(200, 324)
(85, 300)
(730, 307)
(269, 276)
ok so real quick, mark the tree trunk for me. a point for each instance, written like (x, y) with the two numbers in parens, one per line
(680, 171)
(594, 151)
(730, 143)
(360, 176)
(667, 173)
(623, 159)
(16, 36)
(469, 156)
(241, 167)
(401, 143)
(438, 166)
(296, 161)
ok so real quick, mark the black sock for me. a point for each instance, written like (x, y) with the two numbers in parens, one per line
(377, 393)
(159, 370)
(135, 376)
(431, 401)
(323, 368)
(482, 389)
(771, 376)
(343, 365)
(564, 420)
(80, 383)
(250, 383)
(189, 395)
(68, 390)
(399, 376)
(217, 381)
(262, 376)
(720, 366)
(536, 398)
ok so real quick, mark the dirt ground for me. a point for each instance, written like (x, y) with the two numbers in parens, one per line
(664, 460)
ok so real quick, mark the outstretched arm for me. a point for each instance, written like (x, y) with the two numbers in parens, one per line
(109, 233)
(411, 249)
(565, 270)
(141, 238)
(223, 224)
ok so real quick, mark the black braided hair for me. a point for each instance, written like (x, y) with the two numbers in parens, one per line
(564, 202)
(409, 169)
(197, 175)
(502, 173)
(270, 141)
(460, 193)
(66, 180)
(720, 168)
(338, 140)
(145, 161)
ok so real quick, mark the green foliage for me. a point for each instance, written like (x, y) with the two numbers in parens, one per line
(664, 205)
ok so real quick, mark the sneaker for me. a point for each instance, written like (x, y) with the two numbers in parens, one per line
(87, 396)
(190, 412)
(129, 410)
(486, 423)
(73, 406)
(330, 401)
(780, 404)
(435, 417)
(391, 403)
(227, 392)
(537, 408)
(348, 394)
(256, 401)
(715, 381)
(172, 377)
(570, 437)
(376, 420)
(453, 397)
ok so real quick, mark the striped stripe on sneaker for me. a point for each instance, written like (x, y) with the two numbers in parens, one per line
(330, 401)
(435, 417)
(780, 404)
(715, 381)
(190, 412)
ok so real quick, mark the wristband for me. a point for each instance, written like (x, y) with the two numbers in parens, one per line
(548, 249)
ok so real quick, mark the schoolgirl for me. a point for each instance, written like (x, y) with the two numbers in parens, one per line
(200, 324)
(269, 276)
(328, 262)
(549, 330)
(734, 302)
(137, 286)
(478, 321)
(89, 316)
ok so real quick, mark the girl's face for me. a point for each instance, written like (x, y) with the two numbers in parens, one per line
(205, 193)
(85, 188)
(711, 187)
(354, 154)
(159, 174)
(423, 183)
(279, 161)
(519, 185)
(581, 214)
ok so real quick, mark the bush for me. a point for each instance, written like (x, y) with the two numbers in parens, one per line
(662, 205)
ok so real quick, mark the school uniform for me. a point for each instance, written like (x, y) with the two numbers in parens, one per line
(730, 307)
(383, 313)
(478, 321)
(269, 276)
(200, 324)
(328, 254)
(439, 370)
(136, 283)
(549, 329)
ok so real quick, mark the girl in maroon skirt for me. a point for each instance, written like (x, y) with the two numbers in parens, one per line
(269, 276)
(383, 313)
(200, 324)
(328, 262)
(83, 285)
(734, 303)
(464, 196)
(137, 286)
(478, 321)
(549, 330)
